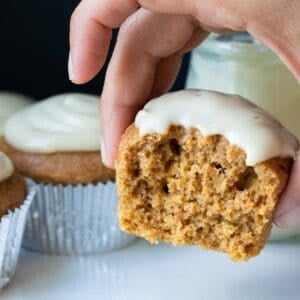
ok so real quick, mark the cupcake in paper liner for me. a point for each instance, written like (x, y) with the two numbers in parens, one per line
(56, 144)
(15, 199)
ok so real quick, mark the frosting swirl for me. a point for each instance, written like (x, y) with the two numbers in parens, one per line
(9, 104)
(61, 123)
(6, 167)
(243, 124)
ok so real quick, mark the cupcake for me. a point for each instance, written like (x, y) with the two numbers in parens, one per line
(203, 168)
(14, 204)
(55, 144)
(9, 104)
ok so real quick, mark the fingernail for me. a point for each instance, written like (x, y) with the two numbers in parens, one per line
(70, 68)
(288, 219)
(103, 150)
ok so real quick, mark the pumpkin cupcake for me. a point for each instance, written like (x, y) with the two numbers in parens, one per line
(56, 144)
(203, 168)
(15, 199)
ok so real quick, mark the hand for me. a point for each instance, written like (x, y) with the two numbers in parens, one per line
(152, 39)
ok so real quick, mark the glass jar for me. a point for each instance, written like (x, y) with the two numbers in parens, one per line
(239, 64)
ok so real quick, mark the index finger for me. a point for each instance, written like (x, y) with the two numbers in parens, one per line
(90, 34)
(91, 26)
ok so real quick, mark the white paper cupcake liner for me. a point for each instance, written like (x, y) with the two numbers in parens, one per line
(11, 233)
(74, 220)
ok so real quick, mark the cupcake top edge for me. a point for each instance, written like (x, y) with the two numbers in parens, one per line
(6, 167)
(240, 121)
(10, 103)
(62, 123)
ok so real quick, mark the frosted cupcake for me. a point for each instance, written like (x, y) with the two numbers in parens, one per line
(9, 104)
(13, 211)
(203, 168)
(56, 144)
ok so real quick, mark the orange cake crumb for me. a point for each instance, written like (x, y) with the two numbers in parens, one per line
(188, 189)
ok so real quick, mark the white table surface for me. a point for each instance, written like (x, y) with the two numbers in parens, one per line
(145, 272)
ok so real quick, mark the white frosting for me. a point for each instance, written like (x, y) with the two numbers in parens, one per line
(67, 122)
(6, 167)
(241, 122)
(9, 104)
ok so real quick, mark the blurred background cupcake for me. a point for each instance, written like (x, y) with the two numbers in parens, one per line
(56, 145)
(15, 200)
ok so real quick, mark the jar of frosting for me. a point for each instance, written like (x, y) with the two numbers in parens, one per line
(239, 64)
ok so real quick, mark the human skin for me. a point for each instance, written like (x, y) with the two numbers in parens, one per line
(153, 37)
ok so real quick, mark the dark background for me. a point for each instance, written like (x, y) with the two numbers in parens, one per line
(34, 49)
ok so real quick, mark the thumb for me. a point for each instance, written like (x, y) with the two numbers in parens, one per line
(288, 210)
